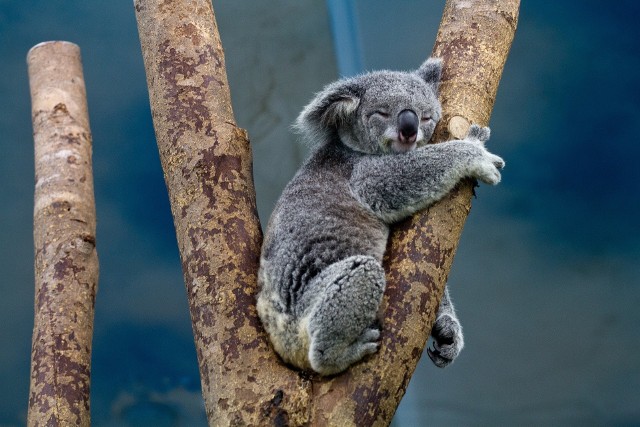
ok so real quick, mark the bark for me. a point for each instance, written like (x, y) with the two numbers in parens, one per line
(207, 165)
(66, 262)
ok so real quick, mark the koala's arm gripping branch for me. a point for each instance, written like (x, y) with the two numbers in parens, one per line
(396, 186)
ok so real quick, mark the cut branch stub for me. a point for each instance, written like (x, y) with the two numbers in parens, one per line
(66, 262)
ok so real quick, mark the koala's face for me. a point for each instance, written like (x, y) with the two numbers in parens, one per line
(376, 113)
(397, 112)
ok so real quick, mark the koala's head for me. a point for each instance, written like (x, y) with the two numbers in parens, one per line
(378, 112)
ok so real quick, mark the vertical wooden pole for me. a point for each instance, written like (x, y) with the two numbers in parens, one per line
(66, 262)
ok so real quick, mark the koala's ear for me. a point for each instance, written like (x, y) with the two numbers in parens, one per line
(431, 71)
(329, 108)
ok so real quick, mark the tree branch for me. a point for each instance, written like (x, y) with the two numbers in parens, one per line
(207, 165)
(66, 262)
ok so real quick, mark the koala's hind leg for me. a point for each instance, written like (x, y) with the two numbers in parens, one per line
(447, 334)
(342, 321)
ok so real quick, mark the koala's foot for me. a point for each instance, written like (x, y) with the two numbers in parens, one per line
(447, 340)
(335, 359)
(342, 325)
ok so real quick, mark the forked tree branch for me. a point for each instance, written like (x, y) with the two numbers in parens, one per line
(66, 262)
(207, 165)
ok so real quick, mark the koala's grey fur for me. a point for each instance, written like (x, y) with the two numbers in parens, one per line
(320, 275)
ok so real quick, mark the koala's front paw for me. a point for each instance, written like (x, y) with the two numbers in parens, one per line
(487, 167)
(447, 341)
(478, 134)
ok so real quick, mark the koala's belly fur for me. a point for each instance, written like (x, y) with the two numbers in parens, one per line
(326, 226)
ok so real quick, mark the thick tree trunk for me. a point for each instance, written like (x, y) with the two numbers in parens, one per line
(207, 165)
(66, 262)
(208, 172)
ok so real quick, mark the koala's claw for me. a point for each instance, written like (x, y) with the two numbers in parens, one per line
(436, 358)
(497, 161)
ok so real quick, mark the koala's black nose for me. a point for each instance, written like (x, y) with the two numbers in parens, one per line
(408, 126)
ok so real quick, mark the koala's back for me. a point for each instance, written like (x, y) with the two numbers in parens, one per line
(315, 223)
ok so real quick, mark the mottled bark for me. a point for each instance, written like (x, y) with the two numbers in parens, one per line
(66, 262)
(207, 164)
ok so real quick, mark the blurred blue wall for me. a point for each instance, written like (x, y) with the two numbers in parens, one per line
(546, 279)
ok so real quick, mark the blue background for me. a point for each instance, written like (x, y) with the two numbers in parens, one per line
(547, 276)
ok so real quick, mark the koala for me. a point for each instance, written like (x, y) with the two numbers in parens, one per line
(321, 279)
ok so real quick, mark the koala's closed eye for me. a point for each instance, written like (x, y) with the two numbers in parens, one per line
(379, 113)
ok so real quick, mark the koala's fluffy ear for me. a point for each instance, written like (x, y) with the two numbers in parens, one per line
(328, 109)
(431, 71)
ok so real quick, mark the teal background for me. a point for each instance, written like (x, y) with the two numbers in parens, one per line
(547, 277)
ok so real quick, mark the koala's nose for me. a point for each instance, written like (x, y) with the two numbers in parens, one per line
(408, 126)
